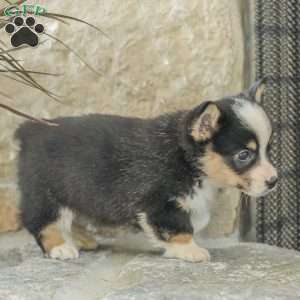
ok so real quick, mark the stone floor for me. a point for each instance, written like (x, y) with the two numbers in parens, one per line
(237, 271)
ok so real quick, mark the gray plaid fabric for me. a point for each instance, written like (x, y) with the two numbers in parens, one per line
(278, 58)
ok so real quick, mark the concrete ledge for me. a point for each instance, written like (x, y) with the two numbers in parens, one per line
(240, 271)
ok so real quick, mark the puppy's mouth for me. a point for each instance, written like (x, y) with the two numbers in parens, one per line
(258, 195)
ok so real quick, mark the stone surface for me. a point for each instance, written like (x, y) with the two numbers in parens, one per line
(160, 56)
(237, 271)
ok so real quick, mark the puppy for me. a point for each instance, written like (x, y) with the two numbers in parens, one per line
(156, 175)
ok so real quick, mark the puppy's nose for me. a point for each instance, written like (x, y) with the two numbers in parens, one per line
(272, 182)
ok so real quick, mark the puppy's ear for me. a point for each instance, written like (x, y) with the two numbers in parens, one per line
(256, 91)
(204, 121)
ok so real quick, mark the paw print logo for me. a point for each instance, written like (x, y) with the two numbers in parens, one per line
(24, 31)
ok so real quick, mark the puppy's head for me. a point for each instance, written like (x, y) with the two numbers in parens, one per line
(233, 138)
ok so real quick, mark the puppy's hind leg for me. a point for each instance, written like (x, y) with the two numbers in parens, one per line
(56, 238)
(83, 239)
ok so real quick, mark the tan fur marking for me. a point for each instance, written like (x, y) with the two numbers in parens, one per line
(206, 125)
(216, 169)
(83, 239)
(181, 239)
(252, 145)
(51, 237)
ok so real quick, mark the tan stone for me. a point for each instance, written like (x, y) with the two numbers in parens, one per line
(9, 212)
(161, 56)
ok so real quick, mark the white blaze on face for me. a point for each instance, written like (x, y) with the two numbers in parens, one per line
(255, 118)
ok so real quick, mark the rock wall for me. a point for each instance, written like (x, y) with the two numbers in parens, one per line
(160, 56)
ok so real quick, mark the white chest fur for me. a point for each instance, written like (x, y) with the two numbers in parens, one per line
(199, 203)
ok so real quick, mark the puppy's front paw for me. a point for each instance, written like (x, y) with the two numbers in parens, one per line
(197, 254)
(64, 252)
(190, 252)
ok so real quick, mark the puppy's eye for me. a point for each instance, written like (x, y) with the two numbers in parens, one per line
(244, 155)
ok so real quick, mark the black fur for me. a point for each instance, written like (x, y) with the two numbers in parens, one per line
(108, 168)
(233, 136)
(111, 168)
